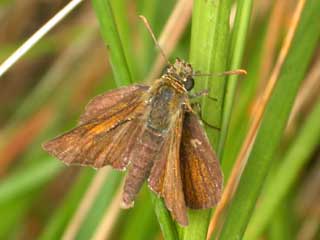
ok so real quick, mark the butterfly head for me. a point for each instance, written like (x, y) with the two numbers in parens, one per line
(182, 72)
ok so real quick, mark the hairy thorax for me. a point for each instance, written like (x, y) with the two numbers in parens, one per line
(163, 105)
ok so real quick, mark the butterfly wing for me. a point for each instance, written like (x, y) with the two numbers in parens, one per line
(109, 102)
(106, 136)
(201, 174)
(165, 178)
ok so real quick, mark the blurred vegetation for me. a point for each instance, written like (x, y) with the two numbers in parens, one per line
(44, 93)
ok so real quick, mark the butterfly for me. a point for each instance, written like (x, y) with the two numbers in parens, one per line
(152, 131)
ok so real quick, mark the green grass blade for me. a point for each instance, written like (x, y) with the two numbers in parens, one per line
(240, 114)
(143, 214)
(112, 40)
(283, 224)
(273, 122)
(124, 28)
(286, 174)
(198, 225)
(237, 48)
(167, 225)
(208, 54)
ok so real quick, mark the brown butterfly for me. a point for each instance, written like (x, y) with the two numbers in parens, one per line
(152, 130)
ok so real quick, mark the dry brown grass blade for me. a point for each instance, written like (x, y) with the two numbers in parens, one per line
(24, 136)
(86, 203)
(171, 34)
(272, 38)
(263, 100)
(104, 229)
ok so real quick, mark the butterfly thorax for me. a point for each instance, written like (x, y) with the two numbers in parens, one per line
(170, 92)
(164, 104)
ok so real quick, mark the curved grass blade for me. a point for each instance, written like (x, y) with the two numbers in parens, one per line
(113, 42)
(167, 225)
(122, 18)
(143, 214)
(242, 20)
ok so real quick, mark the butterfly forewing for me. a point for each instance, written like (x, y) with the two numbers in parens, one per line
(105, 139)
(108, 103)
(201, 174)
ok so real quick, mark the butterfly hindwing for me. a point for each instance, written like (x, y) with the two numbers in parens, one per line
(201, 174)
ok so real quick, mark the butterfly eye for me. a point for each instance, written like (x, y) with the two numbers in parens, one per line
(189, 83)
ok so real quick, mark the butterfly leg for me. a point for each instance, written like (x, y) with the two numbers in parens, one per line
(197, 108)
(204, 92)
(210, 125)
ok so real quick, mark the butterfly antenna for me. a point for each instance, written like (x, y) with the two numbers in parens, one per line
(147, 25)
(232, 72)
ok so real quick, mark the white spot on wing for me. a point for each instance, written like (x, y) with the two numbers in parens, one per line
(195, 142)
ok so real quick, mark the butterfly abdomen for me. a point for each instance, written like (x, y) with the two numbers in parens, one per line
(141, 160)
